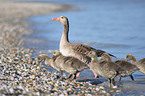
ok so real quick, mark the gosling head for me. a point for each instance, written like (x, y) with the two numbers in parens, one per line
(129, 57)
(61, 19)
(105, 56)
(42, 57)
(92, 54)
(56, 53)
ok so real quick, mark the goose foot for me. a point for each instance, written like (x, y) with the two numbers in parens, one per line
(78, 74)
(69, 76)
(96, 75)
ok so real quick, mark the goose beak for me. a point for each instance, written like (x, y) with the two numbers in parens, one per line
(56, 19)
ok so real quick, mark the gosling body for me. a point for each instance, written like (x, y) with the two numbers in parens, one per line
(69, 64)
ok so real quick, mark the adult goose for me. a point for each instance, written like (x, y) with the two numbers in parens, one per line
(104, 68)
(79, 51)
(140, 63)
(69, 64)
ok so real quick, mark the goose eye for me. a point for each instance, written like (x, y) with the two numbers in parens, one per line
(61, 17)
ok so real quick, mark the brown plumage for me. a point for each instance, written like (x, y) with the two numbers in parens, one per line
(122, 67)
(69, 64)
(104, 68)
(49, 61)
(140, 63)
(129, 67)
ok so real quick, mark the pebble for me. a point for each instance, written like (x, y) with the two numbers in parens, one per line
(108, 94)
(101, 87)
(112, 90)
(22, 74)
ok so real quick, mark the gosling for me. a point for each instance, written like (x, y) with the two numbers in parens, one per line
(121, 67)
(69, 64)
(49, 62)
(140, 63)
(129, 67)
(103, 68)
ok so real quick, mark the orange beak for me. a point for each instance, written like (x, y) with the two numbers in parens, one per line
(56, 19)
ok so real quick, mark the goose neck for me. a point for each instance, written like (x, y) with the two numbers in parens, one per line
(108, 58)
(94, 59)
(64, 37)
(60, 55)
(133, 60)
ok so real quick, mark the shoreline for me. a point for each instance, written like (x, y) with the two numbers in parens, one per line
(21, 73)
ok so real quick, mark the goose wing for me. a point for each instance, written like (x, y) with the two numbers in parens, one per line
(127, 65)
(84, 49)
(142, 61)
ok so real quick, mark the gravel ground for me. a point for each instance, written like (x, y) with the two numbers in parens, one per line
(20, 72)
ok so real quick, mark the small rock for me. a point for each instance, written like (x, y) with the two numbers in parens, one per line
(112, 90)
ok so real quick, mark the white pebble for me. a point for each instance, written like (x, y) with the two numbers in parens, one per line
(11, 90)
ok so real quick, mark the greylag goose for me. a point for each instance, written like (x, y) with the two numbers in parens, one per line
(140, 63)
(129, 67)
(69, 64)
(50, 62)
(79, 51)
(103, 68)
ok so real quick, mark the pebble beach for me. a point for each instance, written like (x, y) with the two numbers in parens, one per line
(20, 72)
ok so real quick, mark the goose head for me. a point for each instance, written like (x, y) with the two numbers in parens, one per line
(105, 56)
(92, 54)
(61, 19)
(129, 57)
(42, 57)
(56, 53)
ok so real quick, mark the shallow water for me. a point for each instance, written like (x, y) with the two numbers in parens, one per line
(116, 26)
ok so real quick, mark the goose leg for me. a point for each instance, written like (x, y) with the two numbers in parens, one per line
(96, 75)
(119, 78)
(69, 76)
(78, 74)
(61, 73)
(132, 77)
(109, 82)
(113, 82)
(74, 76)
